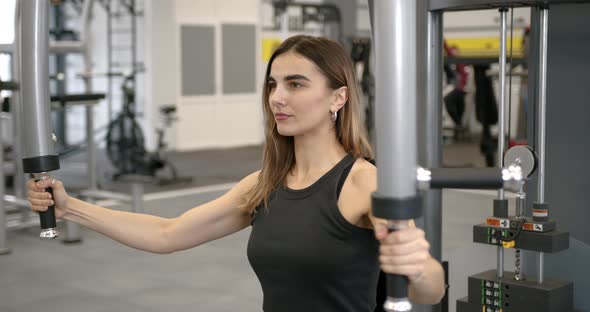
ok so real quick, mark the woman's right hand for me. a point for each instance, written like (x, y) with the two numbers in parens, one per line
(40, 200)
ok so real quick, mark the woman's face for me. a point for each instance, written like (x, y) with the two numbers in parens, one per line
(299, 97)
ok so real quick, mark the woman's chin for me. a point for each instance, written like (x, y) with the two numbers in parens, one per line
(286, 132)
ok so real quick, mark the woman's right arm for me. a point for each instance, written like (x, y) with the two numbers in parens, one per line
(212, 220)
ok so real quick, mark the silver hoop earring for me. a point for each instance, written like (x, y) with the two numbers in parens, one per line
(334, 115)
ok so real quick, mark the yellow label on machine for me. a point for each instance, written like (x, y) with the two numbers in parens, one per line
(269, 45)
(485, 46)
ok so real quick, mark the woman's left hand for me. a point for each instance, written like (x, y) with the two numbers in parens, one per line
(404, 251)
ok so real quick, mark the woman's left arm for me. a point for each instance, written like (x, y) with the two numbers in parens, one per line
(405, 251)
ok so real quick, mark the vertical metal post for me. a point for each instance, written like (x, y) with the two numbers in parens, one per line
(3, 247)
(429, 123)
(541, 117)
(542, 105)
(520, 254)
(91, 156)
(137, 196)
(284, 25)
(394, 36)
(109, 60)
(502, 107)
(16, 100)
(134, 67)
(434, 100)
(72, 230)
(501, 121)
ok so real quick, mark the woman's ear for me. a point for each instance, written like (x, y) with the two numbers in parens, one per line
(340, 97)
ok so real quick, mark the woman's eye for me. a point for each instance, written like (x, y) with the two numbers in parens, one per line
(295, 85)
(271, 85)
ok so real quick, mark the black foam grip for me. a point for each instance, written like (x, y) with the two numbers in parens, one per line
(47, 217)
(468, 178)
(397, 286)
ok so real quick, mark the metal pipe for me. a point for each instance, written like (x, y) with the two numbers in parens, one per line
(285, 24)
(541, 111)
(39, 156)
(109, 60)
(434, 100)
(395, 114)
(501, 121)
(19, 202)
(520, 254)
(541, 273)
(137, 197)
(7, 48)
(16, 111)
(91, 153)
(500, 261)
(78, 46)
(502, 77)
(502, 106)
(3, 247)
(72, 233)
(66, 46)
(35, 78)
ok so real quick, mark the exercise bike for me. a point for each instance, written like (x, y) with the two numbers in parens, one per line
(125, 143)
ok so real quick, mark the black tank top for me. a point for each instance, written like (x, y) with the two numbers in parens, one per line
(307, 256)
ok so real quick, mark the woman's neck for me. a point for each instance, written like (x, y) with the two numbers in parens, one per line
(316, 152)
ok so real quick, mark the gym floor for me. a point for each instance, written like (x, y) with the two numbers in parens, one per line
(102, 275)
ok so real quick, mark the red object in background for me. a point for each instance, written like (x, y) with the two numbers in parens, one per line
(513, 143)
(459, 68)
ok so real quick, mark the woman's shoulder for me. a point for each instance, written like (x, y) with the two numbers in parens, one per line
(355, 199)
(246, 184)
(362, 177)
(250, 180)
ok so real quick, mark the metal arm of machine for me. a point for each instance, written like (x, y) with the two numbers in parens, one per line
(39, 157)
(520, 162)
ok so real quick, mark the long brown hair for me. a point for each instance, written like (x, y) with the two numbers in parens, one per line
(279, 154)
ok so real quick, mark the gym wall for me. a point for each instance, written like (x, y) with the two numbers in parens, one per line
(205, 58)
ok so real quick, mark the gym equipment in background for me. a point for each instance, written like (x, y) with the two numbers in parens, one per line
(126, 147)
(397, 198)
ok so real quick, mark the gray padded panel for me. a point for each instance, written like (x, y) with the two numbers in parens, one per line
(197, 44)
(239, 58)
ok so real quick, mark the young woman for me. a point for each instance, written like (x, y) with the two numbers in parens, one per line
(312, 243)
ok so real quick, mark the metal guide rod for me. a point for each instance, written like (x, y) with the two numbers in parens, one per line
(3, 247)
(501, 121)
(434, 74)
(541, 111)
(72, 230)
(502, 106)
(520, 262)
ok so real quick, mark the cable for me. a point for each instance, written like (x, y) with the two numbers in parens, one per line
(498, 234)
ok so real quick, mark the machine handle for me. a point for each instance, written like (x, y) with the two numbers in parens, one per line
(47, 220)
(397, 286)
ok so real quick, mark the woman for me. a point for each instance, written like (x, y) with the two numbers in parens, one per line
(312, 243)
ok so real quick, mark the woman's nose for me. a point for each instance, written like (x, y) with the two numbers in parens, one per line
(277, 96)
